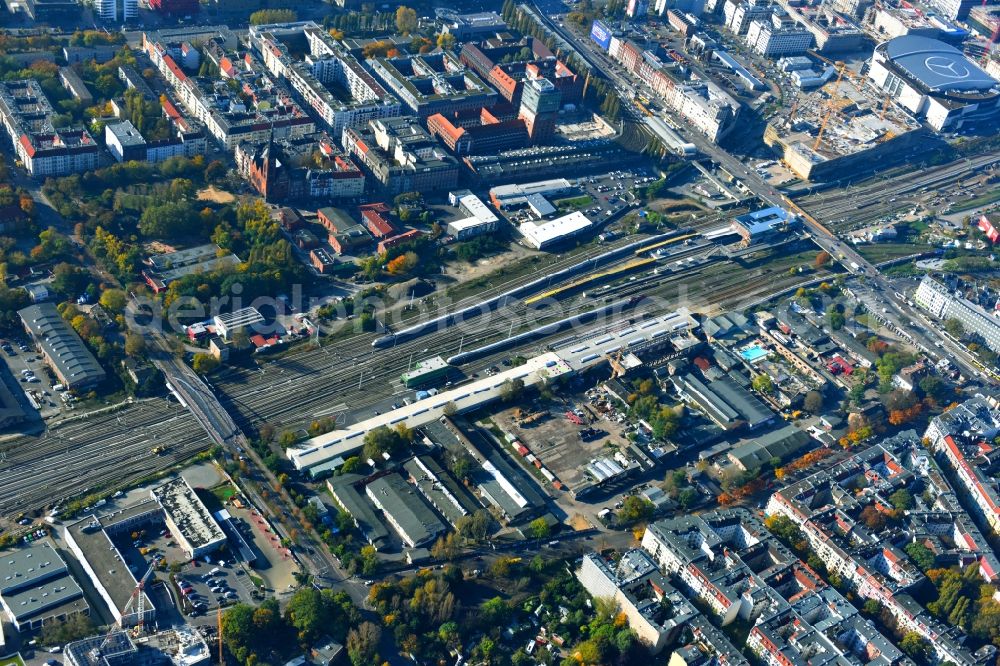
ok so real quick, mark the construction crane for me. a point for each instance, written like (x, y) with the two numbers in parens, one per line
(885, 107)
(138, 598)
(826, 118)
(822, 128)
(615, 359)
(218, 621)
(841, 68)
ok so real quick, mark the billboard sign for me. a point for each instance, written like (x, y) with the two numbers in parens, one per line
(988, 228)
(601, 34)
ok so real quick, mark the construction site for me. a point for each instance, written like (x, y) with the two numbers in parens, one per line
(841, 128)
(177, 647)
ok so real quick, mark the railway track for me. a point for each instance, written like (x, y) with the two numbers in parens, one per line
(310, 383)
(862, 203)
(91, 452)
(293, 391)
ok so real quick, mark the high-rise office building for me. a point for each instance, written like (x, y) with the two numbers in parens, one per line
(540, 103)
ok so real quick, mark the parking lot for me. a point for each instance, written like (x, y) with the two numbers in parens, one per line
(599, 197)
(210, 583)
(34, 377)
(205, 586)
(610, 191)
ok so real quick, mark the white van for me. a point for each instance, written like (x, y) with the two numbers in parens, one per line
(58, 387)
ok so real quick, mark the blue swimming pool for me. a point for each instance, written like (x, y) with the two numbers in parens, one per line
(751, 354)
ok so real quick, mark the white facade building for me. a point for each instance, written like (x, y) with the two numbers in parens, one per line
(935, 82)
(768, 37)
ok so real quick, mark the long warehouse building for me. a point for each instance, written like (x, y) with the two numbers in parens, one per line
(61, 347)
(325, 453)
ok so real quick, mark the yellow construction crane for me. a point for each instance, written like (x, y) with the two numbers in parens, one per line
(615, 359)
(885, 107)
(822, 128)
(830, 107)
(841, 68)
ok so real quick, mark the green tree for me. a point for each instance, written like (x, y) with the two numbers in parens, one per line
(113, 300)
(384, 440)
(872, 607)
(248, 631)
(135, 344)
(538, 529)
(60, 632)
(920, 554)
(763, 384)
(52, 245)
(460, 464)
(857, 394)
(954, 328)
(635, 509)
(11, 300)
(170, 220)
(313, 613)
(264, 16)
(916, 646)
(936, 389)
(687, 497)
(203, 364)
(476, 526)
(835, 316)
(216, 170)
(664, 422)
(511, 390)
(902, 499)
(783, 528)
(370, 267)
(494, 612)
(69, 280)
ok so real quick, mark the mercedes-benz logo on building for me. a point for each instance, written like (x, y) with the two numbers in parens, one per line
(946, 67)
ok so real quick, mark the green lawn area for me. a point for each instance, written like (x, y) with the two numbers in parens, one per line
(877, 252)
(210, 498)
(574, 203)
(985, 200)
(12, 660)
(224, 492)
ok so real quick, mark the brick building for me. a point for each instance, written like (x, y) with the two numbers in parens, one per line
(478, 133)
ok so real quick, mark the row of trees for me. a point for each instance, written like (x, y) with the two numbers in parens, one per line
(964, 601)
(263, 16)
(598, 91)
